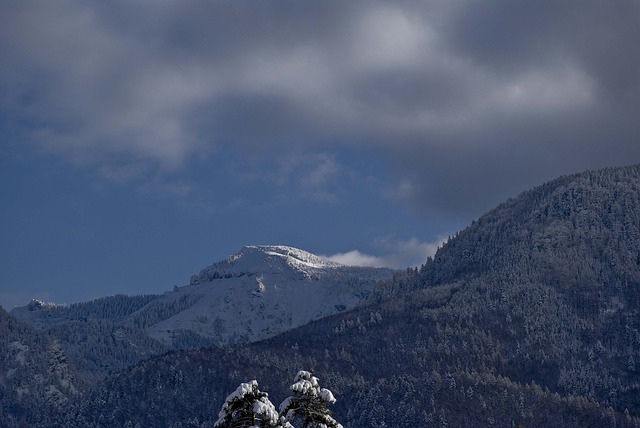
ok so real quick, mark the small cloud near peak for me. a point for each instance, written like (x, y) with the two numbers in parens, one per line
(399, 254)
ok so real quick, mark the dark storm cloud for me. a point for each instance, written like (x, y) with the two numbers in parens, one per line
(556, 87)
(473, 101)
(512, 37)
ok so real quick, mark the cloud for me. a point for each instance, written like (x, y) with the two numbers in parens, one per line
(388, 36)
(356, 258)
(465, 100)
(399, 254)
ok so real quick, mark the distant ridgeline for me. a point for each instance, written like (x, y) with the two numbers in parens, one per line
(530, 316)
(113, 308)
(254, 294)
(98, 336)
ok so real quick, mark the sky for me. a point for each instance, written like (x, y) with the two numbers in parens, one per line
(143, 140)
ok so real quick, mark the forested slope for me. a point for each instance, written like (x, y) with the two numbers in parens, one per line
(579, 233)
(419, 360)
(530, 315)
(35, 378)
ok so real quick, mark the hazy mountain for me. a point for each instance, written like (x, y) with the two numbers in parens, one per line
(530, 315)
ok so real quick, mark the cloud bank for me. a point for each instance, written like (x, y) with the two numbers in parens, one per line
(465, 100)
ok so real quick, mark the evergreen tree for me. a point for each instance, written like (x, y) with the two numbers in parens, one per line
(309, 403)
(248, 407)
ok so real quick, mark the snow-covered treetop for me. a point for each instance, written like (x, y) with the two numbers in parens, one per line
(307, 407)
(247, 404)
(242, 390)
(307, 384)
(309, 403)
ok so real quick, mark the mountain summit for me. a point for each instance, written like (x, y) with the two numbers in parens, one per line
(251, 295)
(254, 294)
(261, 259)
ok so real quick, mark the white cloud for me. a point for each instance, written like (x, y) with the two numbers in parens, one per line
(356, 258)
(399, 254)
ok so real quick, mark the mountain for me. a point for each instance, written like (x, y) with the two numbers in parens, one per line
(563, 262)
(579, 233)
(251, 295)
(255, 294)
(529, 316)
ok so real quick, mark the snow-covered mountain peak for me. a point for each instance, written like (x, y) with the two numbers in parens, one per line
(292, 256)
(258, 292)
(261, 259)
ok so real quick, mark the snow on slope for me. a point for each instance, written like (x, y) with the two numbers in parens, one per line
(259, 292)
(264, 258)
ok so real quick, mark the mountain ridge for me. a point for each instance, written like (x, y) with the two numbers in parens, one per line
(264, 258)
(256, 293)
(529, 316)
(259, 292)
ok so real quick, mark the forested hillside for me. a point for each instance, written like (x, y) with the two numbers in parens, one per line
(528, 316)
(35, 378)
(580, 234)
(564, 254)
(97, 336)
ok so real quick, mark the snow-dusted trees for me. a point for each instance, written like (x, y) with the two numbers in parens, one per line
(248, 407)
(309, 403)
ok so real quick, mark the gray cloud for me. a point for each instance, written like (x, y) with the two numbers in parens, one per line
(471, 101)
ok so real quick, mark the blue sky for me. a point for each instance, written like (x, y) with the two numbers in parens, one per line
(142, 141)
